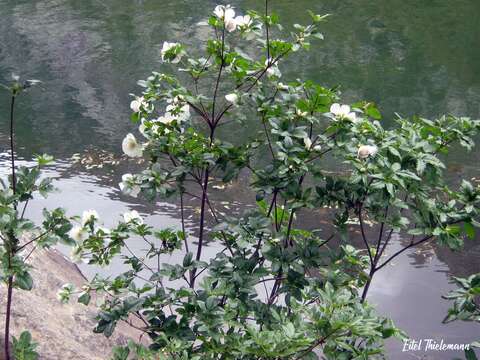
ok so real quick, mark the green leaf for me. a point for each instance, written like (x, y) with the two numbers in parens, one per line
(469, 230)
(390, 189)
(187, 260)
(310, 356)
(24, 347)
(132, 304)
(420, 166)
(373, 112)
(317, 18)
(24, 281)
(44, 159)
(120, 353)
(470, 354)
(84, 298)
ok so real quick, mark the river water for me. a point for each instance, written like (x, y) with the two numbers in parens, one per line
(410, 57)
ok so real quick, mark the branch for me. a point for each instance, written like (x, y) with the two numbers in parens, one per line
(325, 242)
(271, 279)
(136, 257)
(319, 155)
(212, 211)
(380, 236)
(315, 344)
(382, 250)
(255, 81)
(24, 208)
(202, 225)
(33, 240)
(267, 27)
(199, 111)
(12, 148)
(217, 84)
(268, 137)
(183, 222)
(412, 244)
(363, 234)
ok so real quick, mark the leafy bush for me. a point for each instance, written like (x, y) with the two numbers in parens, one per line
(466, 305)
(19, 236)
(24, 347)
(275, 290)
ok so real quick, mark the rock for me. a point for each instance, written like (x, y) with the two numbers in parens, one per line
(62, 331)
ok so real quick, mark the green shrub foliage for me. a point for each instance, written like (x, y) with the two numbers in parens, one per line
(274, 289)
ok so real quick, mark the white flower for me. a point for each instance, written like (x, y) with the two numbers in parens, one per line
(230, 25)
(76, 255)
(128, 185)
(176, 100)
(219, 11)
(167, 49)
(352, 116)
(301, 113)
(128, 177)
(173, 113)
(232, 98)
(133, 216)
(307, 142)
(142, 128)
(89, 215)
(167, 46)
(365, 151)
(272, 69)
(131, 147)
(343, 112)
(78, 234)
(185, 112)
(227, 14)
(282, 87)
(153, 127)
(224, 12)
(166, 119)
(136, 104)
(243, 21)
(339, 110)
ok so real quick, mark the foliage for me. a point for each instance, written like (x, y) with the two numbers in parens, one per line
(466, 304)
(465, 300)
(274, 290)
(24, 348)
(19, 236)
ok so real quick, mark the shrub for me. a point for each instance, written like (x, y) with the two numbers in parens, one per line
(20, 236)
(275, 290)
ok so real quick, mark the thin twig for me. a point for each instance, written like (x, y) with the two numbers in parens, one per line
(363, 234)
(412, 244)
(183, 222)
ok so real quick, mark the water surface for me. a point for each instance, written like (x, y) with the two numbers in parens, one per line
(411, 57)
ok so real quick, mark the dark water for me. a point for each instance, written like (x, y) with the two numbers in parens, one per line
(411, 57)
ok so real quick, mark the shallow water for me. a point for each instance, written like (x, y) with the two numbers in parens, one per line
(408, 56)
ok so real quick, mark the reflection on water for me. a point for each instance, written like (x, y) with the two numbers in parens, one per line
(411, 288)
(408, 56)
